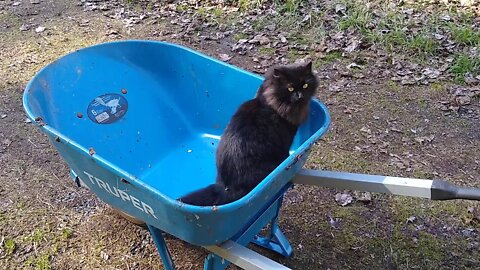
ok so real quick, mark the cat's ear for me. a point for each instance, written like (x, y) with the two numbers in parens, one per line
(277, 72)
(308, 65)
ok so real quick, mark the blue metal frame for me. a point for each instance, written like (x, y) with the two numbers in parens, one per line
(251, 234)
(161, 247)
(275, 241)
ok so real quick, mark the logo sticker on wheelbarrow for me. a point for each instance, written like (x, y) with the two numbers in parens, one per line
(108, 108)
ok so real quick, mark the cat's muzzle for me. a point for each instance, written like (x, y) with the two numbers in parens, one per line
(296, 96)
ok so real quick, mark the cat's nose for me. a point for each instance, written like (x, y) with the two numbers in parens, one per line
(298, 95)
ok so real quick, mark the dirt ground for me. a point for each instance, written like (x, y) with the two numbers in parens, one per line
(378, 126)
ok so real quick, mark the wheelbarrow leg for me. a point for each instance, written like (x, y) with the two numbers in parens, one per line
(215, 262)
(275, 240)
(161, 247)
(235, 252)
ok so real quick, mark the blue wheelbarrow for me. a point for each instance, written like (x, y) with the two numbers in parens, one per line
(138, 123)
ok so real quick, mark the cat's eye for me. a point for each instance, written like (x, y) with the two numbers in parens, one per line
(290, 89)
(305, 86)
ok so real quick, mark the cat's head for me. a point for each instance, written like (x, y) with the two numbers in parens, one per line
(289, 88)
(294, 83)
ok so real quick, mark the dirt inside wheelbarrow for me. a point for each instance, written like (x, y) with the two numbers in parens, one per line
(380, 124)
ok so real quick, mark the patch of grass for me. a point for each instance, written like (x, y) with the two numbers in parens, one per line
(394, 39)
(423, 45)
(300, 39)
(392, 85)
(30, 262)
(150, 6)
(10, 18)
(47, 243)
(332, 56)
(421, 174)
(462, 65)
(266, 50)
(294, 54)
(437, 87)
(66, 233)
(466, 16)
(37, 236)
(428, 251)
(201, 11)
(465, 35)
(393, 34)
(315, 30)
(448, 208)
(245, 5)
(9, 246)
(260, 23)
(408, 247)
(239, 36)
(181, 7)
(430, 247)
(288, 6)
(404, 207)
(390, 31)
(344, 161)
(351, 214)
(43, 262)
(21, 205)
(357, 17)
(217, 12)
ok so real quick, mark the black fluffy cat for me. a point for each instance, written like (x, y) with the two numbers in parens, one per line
(259, 135)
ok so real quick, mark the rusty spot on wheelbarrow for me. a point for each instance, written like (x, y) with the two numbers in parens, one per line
(295, 160)
(79, 115)
(91, 151)
(124, 91)
(39, 121)
(57, 139)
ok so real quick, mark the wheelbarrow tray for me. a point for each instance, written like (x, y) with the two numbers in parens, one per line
(164, 110)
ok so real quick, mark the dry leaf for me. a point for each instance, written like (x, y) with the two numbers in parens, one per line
(225, 57)
(334, 222)
(425, 139)
(343, 199)
(340, 9)
(411, 219)
(259, 39)
(40, 29)
(365, 197)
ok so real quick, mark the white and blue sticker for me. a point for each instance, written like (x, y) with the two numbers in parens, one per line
(108, 108)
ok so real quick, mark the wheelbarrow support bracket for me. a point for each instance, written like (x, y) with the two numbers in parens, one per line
(431, 189)
(244, 257)
(161, 247)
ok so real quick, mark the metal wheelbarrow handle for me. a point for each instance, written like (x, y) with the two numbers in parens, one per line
(431, 189)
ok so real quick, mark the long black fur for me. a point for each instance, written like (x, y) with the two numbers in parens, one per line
(259, 135)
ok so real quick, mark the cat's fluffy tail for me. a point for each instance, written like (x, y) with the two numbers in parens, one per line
(213, 194)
